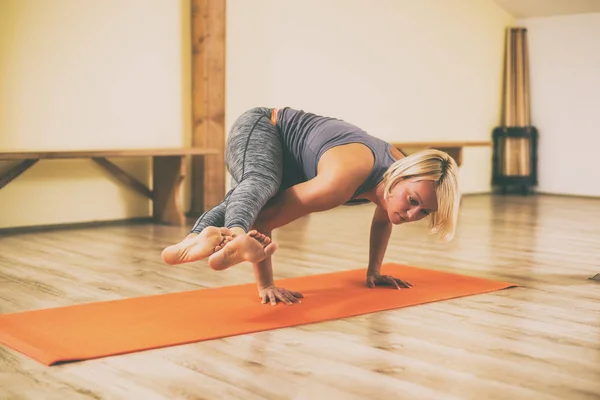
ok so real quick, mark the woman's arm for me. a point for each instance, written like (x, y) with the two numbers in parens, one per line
(285, 207)
(381, 229)
(340, 173)
(327, 190)
(319, 194)
(263, 272)
(267, 291)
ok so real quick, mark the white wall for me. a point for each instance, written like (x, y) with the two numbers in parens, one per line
(88, 74)
(565, 96)
(116, 73)
(403, 70)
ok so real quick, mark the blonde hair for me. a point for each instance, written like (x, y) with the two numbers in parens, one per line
(433, 165)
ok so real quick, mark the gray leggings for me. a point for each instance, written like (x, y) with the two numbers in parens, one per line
(254, 158)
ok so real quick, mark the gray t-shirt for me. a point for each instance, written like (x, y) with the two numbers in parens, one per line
(306, 136)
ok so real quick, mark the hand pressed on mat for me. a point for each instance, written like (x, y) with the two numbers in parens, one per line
(274, 294)
(386, 280)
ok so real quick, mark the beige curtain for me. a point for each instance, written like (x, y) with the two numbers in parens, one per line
(515, 151)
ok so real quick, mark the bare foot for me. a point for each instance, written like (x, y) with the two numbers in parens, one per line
(252, 247)
(197, 247)
(264, 239)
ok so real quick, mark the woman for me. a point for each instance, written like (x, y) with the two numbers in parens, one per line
(288, 163)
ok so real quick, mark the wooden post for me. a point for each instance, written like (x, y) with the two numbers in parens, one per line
(168, 173)
(208, 102)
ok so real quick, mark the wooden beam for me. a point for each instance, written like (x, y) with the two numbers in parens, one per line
(14, 172)
(455, 152)
(454, 149)
(73, 154)
(123, 176)
(168, 173)
(208, 102)
(439, 144)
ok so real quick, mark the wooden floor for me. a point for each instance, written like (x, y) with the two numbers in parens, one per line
(538, 341)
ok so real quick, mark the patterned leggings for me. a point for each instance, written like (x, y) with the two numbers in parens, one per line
(254, 158)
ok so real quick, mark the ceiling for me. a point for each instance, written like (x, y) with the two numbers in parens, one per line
(546, 8)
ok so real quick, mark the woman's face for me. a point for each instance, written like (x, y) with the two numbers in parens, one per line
(411, 200)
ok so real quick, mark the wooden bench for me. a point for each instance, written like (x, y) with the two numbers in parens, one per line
(169, 169)
(454, 149)
(168, 172)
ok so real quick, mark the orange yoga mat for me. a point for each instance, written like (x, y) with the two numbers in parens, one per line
(94, 330)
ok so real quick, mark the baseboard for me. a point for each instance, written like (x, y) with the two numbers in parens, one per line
(76, 225)
(474, 194)
(533, 193)
(191, 216)
(575, 196)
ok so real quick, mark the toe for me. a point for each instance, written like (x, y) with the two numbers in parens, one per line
(270, 249)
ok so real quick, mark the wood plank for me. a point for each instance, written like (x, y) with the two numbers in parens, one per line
(199, 101)
(538, 341)
(123, 176)
(442, 144)
(58, 154)
(454, 149)
(75, 225)
(208, 102)
(168, 174)
(214, 189)
(16, 171)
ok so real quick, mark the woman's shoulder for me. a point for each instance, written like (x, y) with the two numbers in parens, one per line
(352, 161)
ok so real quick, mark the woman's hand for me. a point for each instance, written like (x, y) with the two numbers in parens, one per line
(274, 294)
(386, 280)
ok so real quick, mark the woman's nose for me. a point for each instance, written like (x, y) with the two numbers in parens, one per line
(413, 214)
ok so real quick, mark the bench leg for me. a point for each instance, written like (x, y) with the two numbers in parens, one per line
(168, 173)
(13, 173)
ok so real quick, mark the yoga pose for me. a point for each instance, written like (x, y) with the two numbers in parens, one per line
(287, 163)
